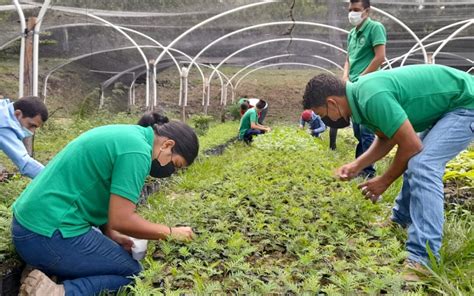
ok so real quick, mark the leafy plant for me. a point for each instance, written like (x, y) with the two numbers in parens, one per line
(201, 123)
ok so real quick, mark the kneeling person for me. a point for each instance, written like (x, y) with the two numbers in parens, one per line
(316, 125)
(249, 125)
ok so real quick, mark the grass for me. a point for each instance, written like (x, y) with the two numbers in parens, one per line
(54, 135)
(271, 219)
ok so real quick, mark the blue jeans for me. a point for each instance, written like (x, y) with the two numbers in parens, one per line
(365, 137)
(420, 204)
(87, 264)
(250, 133)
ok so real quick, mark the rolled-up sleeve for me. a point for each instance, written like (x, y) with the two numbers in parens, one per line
(16, 151)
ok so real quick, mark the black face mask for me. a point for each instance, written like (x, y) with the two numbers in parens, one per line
(159, 171)
(340, 123)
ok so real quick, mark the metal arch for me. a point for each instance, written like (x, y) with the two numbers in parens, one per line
(45, 84)
(433, 57)
(177, 39)
(425, 55)
(416, 46)
(146, 37)
(145, 59)
(22, 48)
(280, 64)
(36, 33)
(275, 40)
(261, 26)
(121, 32)
(219, 73)
(91, 54)
(426, 46)
(280, 56)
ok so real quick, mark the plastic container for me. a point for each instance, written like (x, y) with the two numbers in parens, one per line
(139, 248)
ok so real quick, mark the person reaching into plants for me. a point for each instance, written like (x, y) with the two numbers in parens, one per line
(435, 100)
(249, 125)
(316, 125)
(19, 120)
(95, 181)
(252, 102)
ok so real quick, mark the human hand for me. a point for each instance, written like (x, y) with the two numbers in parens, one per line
(372, 189)
(347, 171)
(121, 239)
(269, 129)
(182, 233)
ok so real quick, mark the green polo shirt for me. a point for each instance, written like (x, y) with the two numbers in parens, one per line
(421, 93)
(73, 192)
(246, 121)
(360, 46)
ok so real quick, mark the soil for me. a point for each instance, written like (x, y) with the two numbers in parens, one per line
(455, 193)
(10, 274)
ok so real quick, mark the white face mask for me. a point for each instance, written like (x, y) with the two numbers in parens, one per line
(355, 17)
(27, 132)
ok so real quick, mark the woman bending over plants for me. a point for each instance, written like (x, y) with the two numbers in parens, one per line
(95, 181)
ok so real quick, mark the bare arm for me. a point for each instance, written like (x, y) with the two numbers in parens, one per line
(345, 75)
(378, 59)
(379, 148)
(257, 126)
(409, 144)
(124, 219)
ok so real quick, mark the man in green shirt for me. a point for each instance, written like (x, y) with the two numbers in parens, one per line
(396, 104)
(249, 125)
(365, 53)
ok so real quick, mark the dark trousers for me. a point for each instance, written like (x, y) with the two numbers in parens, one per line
(365, 138)
(250, 133)
(262, 116)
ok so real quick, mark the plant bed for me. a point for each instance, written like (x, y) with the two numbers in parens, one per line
(219, 149)
(278, 223)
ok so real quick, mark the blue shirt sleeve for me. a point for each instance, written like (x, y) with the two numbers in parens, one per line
(322, 126)
(16, 151)
(302, 122)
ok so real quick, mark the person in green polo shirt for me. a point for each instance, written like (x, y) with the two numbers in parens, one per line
(365, 53)
(249, 125)
(434, 100)
(95, 181)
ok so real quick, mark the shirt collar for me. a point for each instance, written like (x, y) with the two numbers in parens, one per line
(364, 25)
(356, 117)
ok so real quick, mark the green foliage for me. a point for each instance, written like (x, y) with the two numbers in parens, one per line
(234, 111)
(6, 247)
(201, 123)
(270, 219)
(461, 169)
(218, 134)
(262, 230)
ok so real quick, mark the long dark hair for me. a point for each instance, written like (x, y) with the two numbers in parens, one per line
(186, 141)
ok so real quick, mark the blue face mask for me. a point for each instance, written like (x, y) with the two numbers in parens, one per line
(27, 132)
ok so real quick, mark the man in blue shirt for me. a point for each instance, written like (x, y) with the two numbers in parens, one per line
(19, 120)
(316, 125)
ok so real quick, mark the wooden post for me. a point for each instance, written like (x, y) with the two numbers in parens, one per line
(28, 76)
